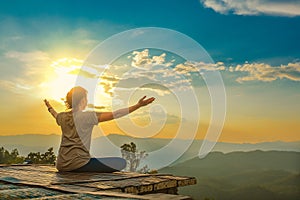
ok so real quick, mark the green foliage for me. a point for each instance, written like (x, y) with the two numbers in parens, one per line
(46, 158)
(133, 157)
(10, 158)
(33, 157)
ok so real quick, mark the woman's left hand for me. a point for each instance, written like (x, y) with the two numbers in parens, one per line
(143, 101)
(47, 103)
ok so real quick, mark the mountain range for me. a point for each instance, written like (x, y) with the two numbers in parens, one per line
(242, 175)
(37, 142)
(268, 170)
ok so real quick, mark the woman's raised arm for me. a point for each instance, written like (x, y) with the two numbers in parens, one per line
(50, 108)
(106, 116)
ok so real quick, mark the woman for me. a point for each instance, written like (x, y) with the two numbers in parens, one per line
(77, 125)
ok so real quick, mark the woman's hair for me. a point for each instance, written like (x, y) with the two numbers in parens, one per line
(74, 96)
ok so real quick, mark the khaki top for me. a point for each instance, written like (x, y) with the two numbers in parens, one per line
(76, 139)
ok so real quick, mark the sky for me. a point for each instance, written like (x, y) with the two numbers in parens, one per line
(45, 48)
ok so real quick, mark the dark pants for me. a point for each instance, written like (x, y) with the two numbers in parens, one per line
(103, 165)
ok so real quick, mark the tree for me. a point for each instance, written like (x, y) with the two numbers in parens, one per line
(133, 157)
(4, 155)
(49, 156)
(37, 158)
(32, 158)
(15, 158)
(10, 158)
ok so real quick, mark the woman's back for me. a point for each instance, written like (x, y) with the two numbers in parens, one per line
(76, 138)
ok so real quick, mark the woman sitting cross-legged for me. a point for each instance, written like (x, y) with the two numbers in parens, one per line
(77, 125)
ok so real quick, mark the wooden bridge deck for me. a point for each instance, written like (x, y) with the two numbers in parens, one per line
(44, 182)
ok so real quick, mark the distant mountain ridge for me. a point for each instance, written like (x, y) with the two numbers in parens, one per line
(37, 142)
(269, 170)
(30, 143)
(242, 175)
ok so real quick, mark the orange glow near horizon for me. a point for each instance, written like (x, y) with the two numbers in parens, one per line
(237, 133)
(30, 116)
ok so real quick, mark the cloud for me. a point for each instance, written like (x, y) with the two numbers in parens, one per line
(145, 72)
(158, 114)
(189, 67)
(112, 78)
(288, 8)
(30, 67)
(143, 59)
(108, 82)
(83, 73)
(151, 73)
(163, 79)
(36, 73)
(246, 72)
(267, 73)
(73, 66)
(15, 86)
(107, 86)
(31, 62)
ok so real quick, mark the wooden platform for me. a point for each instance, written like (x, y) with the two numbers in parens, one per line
(119, 185)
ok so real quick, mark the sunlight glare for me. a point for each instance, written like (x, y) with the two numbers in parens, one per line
(64, 77)
(65, 74)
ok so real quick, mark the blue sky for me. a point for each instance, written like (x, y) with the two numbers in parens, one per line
(256, 44)
(225, 36)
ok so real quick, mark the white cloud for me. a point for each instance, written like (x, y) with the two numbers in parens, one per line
(255, 7)
(31, 69)
(144, 60)
(38, 70)
(267, 73)
(245, 72)
(189, 67)
(146, 72)
(14, 86)
(38, 74)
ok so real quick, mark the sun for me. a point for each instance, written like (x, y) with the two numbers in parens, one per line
(64, 74)
(62, 78)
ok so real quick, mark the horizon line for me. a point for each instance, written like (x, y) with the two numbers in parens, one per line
(40, 134)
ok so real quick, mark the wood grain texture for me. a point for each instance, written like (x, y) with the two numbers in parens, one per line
(122, 183)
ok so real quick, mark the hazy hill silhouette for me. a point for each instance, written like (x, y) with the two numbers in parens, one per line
(37, 142)
(30, 143)
(242, 175)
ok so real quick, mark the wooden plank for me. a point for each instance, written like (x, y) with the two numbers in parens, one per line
(68, 197)
(96, 177)
(41, 193)
(165, 184)
(136, 185)
(126, 182)
(42, 178)
(181, 180)
(47, 175)
(26, 193)
(162, 196)
(72, 188)
(35, 167)
(5, 186)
